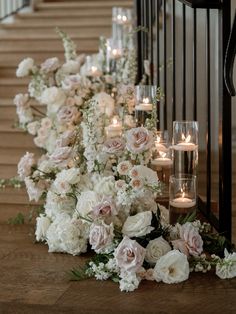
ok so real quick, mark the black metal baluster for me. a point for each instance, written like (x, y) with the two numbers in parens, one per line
(194, 64)
(139, 38)
(151, 39)
(174, 62)
(158, 56)
(184, 64)
(208, 137)
(165, 65)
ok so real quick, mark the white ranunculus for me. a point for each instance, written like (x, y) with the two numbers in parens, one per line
(155, 249)
(25, 165)
(173, 267)
(101, 236)
(86, 201)
(105, 186)
(42, 225)
(53, 97)
(106, 103)
(226, 268)
(25, 67)
(138, 225)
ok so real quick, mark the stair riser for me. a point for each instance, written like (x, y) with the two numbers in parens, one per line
(70, 20)
(9, 112)
(10, 211)
(45, 45)
(10, 157)
(13, 59)
(10, 91)
(8, 72)
(16, 139)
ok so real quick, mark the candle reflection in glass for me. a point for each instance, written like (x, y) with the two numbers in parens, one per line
(144, 102)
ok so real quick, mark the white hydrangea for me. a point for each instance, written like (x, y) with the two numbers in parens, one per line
(226, 268)
(56, 205)
(42, 225)
(25, 67)
(129, 281)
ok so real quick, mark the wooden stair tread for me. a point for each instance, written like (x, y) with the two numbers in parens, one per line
(83, 4)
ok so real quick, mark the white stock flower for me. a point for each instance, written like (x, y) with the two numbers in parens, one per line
(105, 186)
(138, 225)
(34, 190)
(25, 67)
(42, 225)
(226, 268)
(155, 249)
(106, 103)
(173, 267)
(101, 236)
(25, 165)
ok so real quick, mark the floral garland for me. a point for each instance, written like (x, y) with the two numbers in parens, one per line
(99, 193)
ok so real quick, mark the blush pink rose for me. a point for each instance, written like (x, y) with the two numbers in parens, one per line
(114, 146)
(50, 65)
(67, 114)
(129, 255)
(61, 154)
(66, 138)
(106, 210)
(25, 165)
(139, 140)
(190, 242)
(101, 236)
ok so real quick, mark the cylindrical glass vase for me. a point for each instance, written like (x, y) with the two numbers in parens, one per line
(145, 99)
(182, 196)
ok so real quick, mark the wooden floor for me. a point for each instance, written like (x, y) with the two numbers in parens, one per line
(34, 281)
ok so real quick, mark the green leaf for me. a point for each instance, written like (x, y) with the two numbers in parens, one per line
(19, 219)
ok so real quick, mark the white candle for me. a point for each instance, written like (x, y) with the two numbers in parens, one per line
(162, 161)
(144, 106)
(95, 72)
(182, 202)
(186, 145)
(114, 129)
(116, 53)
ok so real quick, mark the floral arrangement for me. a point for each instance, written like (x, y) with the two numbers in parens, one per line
(96, 185)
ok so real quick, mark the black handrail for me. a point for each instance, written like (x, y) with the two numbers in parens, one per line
(229, 60)
(11, 7)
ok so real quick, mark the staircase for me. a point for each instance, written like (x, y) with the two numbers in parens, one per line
(32, 34)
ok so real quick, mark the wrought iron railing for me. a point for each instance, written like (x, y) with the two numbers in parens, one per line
(186, 45)
(10, 7)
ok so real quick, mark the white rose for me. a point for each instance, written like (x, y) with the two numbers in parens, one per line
(25, 165)
(148, 175)
(173, 267)
(50, 65)
(124, 167)
(33, 127)
(42, 225)
(86, 201)
(53, 97)
(61, 155)
(101, 237)
(138, 225)
(70, 67)
(25, 67)
(155, 249)
(65, 179)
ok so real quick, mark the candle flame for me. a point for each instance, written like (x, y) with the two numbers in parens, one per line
(183, 193)
(94, 69)
(158, 139)
(119, 17)
(124, 18)
(114, 121)
(146, 100)
(162, 154)
(115, 52)
(186, 139)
